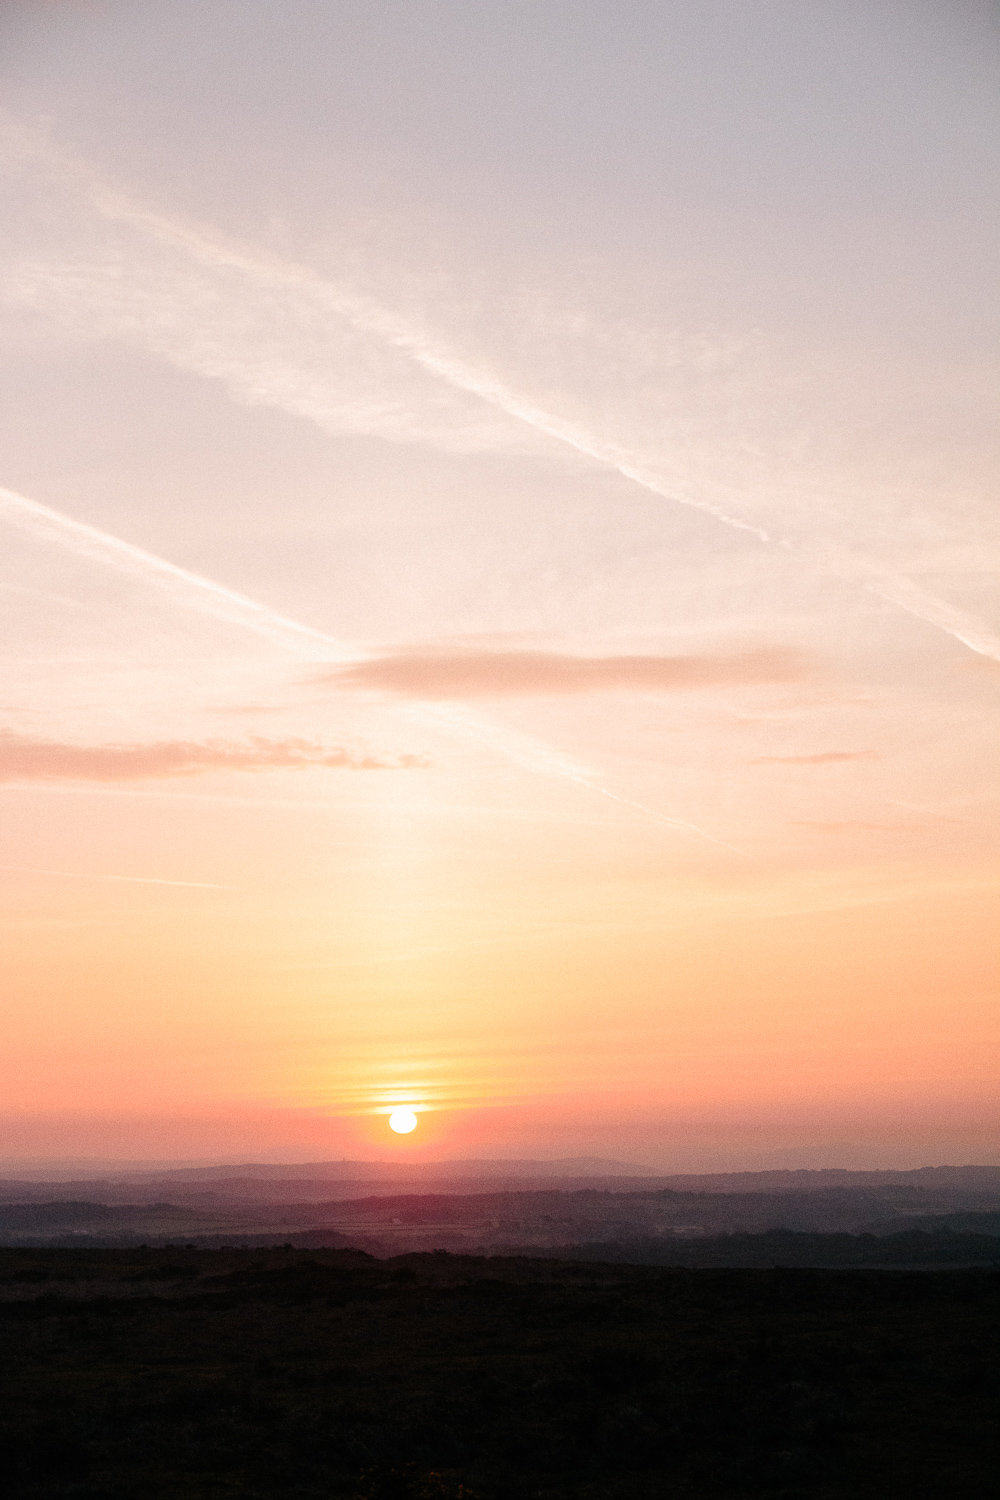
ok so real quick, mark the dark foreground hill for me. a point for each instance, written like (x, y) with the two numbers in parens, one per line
(915, 1249)
(253, 1374)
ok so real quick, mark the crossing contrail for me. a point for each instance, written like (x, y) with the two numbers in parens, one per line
(659, 817)
(189, 589)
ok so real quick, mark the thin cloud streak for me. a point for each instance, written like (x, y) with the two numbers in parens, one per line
(220, 799)
(848, 824)
(24, 759)
(501, 674)
(193, 885)
(824, 758)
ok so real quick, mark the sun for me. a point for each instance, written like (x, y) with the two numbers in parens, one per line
(402, 1121)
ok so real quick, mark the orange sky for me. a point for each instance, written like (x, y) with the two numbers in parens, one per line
(499, 566)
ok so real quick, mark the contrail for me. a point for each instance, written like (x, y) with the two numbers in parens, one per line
(895, 588)
(193, 885)
(659, 817)
(899, 590)
(529, 754)
(190, 589)
(533, 756)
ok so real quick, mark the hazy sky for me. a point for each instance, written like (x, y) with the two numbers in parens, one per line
(499, 563)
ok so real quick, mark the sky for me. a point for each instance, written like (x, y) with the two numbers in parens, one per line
(499, 564)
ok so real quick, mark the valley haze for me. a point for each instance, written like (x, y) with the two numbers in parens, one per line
(589, 1208)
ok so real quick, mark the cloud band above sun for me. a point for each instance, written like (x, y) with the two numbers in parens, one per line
(516, 674)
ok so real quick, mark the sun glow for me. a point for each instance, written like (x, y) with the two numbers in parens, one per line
(402, 1121)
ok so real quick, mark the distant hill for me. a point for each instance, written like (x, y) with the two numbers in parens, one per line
(255, 1194)
(805, 1180)
(571, 1169)
(340, 1171)
(570, 1166)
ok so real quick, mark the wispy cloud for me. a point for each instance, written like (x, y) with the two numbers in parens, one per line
(37, 761)
(824, 758)
(509, 674)
(25, 759)
(279, 333)
(205, 595)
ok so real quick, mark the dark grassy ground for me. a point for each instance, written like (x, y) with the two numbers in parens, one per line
(240, 1375)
